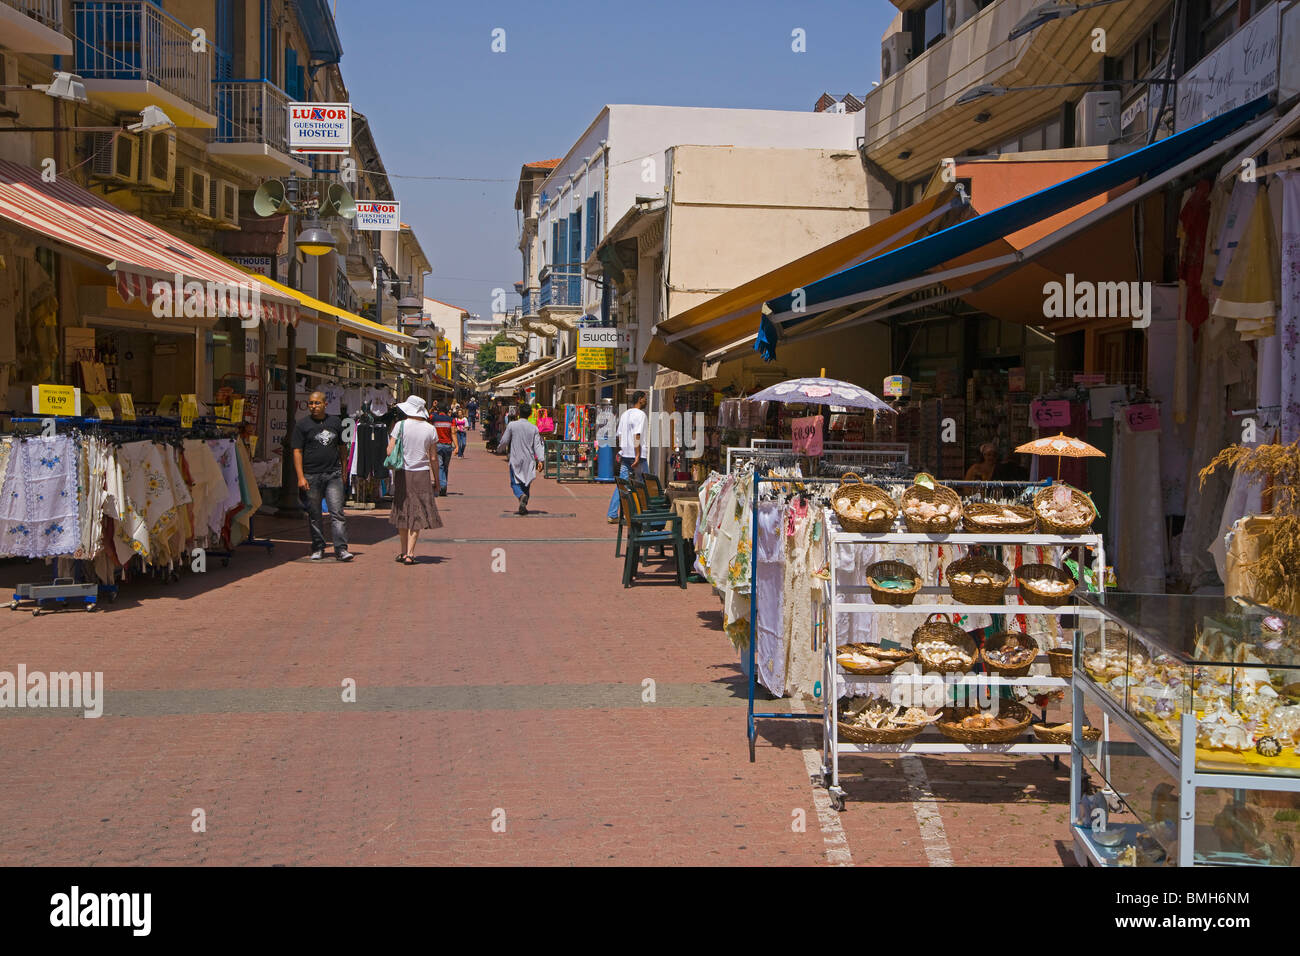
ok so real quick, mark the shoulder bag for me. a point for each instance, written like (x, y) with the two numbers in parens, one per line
(395, 459)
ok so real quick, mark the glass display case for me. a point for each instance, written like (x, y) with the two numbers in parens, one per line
(1200, 731)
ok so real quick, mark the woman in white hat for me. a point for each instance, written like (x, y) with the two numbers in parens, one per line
(415, 484)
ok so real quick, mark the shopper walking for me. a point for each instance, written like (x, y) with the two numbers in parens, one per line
(446, 428)
(414, 484)
(524, 443)
(462, 428)
(472, 409)
(319, 458)
(633, 445)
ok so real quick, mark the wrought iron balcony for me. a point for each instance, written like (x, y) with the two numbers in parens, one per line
(561, 286)
(48, 12)
(251, 111)
(125, 40)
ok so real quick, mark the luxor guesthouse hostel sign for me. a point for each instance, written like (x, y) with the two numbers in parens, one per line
(320, 127)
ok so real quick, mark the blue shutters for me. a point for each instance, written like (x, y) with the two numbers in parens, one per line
(593, 225)
(575, 238)
(555, 244)
(292, 84)
(560, 256)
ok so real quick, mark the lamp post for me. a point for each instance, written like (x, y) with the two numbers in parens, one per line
(289, 507)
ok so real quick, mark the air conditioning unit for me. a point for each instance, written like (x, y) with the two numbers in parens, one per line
(957, 12)
(8, 77)
(895, 51)
(1096, 118)
(224, 202)
(115, 157)
(192, 194)
(158, 160)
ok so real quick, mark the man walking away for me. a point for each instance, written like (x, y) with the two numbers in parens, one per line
(633, 445)
(446, 428)
(524, 443)
(472, 408)
(319, 458)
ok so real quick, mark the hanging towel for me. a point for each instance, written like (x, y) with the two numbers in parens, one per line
(1235, 213)
(38, 502)
(1248, 288)
(1289, 312)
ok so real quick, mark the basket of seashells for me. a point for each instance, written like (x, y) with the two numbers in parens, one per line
(893, 582)
(969, 725)
(1061, 733)
(863, 508)
(1044, 584)
(874, 720)
(978, 579)
(870, 659)
(983, 518)
(1061, 509)
(930, 508)
(943, 648)
(1009, 653)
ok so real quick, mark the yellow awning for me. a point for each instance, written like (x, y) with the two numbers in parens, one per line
(684, 341)
(353, 323)
(512, 373)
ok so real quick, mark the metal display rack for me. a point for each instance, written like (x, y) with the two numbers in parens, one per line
(927, 603)
(570, 460)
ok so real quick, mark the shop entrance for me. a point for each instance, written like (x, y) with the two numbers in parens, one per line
(146, 364)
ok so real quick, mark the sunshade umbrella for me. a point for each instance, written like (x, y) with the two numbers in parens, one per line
(821, 391)
(1062, 446)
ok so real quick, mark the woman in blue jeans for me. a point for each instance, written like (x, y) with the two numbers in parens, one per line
(462, 427)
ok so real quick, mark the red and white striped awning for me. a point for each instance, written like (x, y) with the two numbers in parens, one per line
(146, 260)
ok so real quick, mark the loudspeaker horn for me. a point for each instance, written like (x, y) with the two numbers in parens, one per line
(338, 202)
(269, 199)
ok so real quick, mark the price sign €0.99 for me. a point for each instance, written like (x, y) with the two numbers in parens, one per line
(807, 435)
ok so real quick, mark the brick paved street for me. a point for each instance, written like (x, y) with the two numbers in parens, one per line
(477, 692)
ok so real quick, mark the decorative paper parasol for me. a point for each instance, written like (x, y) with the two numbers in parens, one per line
(821, 391)
(1062, 446)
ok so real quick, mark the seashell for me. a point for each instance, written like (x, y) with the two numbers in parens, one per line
(842, 504)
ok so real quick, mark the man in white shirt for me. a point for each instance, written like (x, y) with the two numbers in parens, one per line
(633, 445)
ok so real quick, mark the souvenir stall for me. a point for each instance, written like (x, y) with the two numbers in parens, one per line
(111, 502)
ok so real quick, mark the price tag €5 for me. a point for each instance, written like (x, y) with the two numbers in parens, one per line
(103, 408)
(189, 410)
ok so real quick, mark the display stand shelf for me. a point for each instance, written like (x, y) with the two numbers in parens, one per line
(931, 741)
(1160, 780)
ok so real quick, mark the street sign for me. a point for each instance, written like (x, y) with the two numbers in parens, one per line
(604, 339)
(379, 216)
(508, 354)
(320, 128)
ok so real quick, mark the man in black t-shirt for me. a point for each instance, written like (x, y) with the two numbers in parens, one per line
(319, 456)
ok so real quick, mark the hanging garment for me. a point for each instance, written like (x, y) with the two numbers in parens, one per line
(1193, 223)
(130, 529)
(1137, 526)
(803, 663)
(208, 485)
(38, 502)
(149, 497)
(95, 461)
(223, 450)
(770, 649)
(1247, 293)
(179, 528)
(1235, 212)
(1289, 308)
(250, 501)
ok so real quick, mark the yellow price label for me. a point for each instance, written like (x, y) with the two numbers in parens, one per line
(237, 410)
(103, 408)
(166, 405)
(222, 412)
(189, 410)
(56, 400)
(126, 405)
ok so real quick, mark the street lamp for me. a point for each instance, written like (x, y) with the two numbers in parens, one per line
(1047, 12)
(315, 240)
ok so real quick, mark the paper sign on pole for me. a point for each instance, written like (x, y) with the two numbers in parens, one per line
(320, 127)
(103, 408)
(1052, 414)
(189, 410)
(807, 435)
(56, 400)
(126, 405)
(379, 216)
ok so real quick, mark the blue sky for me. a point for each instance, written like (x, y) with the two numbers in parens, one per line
(442, 103)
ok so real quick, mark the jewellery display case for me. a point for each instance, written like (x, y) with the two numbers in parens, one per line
(1199, 757)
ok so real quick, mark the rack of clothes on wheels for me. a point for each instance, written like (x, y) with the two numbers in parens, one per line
(108, 502)
(368, 476)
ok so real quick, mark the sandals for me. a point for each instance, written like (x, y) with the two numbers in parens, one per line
(401, 558)
(409, 560)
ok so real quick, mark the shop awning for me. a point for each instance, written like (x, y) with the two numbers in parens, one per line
(975, 250)
(684, 341)
(547, 371)
(138, 253)
(347, 320)
(512, 373)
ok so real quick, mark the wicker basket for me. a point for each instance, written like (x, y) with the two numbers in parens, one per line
(979, 593)
(939, 495)
(1052, 526)
(1061, 660)
(942, 630)
(853, 734)
(889, 659)
(1031, 596)
(994, 641)
(1061, 735)
(858, 490)
(974, 514)
(950, 724)
(894, 569)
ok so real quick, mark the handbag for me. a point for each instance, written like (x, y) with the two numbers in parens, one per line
(546, 425)
(395, 459)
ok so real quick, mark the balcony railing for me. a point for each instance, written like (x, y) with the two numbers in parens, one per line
(48, 12)
(251, 111)
(562, 286)
(529, 306)
(134, 40)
